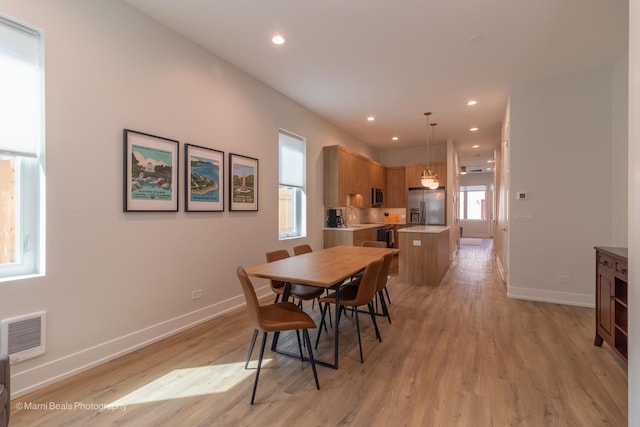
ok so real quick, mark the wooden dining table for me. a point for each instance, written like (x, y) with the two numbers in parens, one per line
(326, 268)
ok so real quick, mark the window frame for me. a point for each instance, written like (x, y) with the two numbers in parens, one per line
(464, 202)
(28, 163)
(299, 208)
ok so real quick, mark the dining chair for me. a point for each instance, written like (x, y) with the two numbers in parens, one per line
(302, 249)
(356, 296)
(378, 244)
(381, 284)
(298, 291)
(276, 317)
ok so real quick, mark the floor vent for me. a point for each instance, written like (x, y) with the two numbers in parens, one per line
(22, 337)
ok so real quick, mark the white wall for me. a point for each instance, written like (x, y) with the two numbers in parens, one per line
(115, 280)
(561, 154)
(620, 153)
(634, 211)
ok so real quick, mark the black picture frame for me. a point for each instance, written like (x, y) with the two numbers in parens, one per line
(203, 179)
(243, 183)
(150, 173)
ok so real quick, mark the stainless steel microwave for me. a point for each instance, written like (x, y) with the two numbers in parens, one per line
(377, 196)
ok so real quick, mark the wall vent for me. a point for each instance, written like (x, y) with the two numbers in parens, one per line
(22, 337)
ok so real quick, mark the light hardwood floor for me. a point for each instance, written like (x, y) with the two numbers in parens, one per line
(461, 354)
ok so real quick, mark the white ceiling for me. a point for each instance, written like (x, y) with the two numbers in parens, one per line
(396, 59)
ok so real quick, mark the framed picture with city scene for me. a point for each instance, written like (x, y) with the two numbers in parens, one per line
(203, 179)
(243, 183)
(150, 173)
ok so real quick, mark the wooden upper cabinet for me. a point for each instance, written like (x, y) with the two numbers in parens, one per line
(350, 174)
(345, 174)
(396, 194)
(414, 172)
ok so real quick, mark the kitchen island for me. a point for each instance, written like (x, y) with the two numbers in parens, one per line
(425, 254)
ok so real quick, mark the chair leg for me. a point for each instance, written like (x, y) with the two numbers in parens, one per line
(275, 301)
(255, 384)
(387, 292)
(359, 340)
(305, 334)
(299, 344)
(253, 342)
(373, 319)
(385, 309)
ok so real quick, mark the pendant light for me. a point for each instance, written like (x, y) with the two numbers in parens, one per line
(429, 179)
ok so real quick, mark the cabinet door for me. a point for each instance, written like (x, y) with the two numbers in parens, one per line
(360, 236)
(413, 174)
(441, 169)
(396, 195)
(604, 304)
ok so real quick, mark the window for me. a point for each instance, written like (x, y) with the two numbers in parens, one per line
(292, 200)
(21, 150)
(473, 202)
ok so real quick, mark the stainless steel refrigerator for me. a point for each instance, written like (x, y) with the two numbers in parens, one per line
(426, 207)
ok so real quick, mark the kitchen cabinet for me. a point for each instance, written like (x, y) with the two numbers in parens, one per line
(349, 237)
(349, 174)
(396, 194)
(611, 299)
(424, 253)
(414, 172)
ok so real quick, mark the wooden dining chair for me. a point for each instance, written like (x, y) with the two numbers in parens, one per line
(276, 317)
(302, 249)
(356, 296)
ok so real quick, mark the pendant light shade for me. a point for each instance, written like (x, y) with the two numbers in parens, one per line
(429, 179)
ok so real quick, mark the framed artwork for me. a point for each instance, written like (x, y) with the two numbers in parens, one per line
(150, 173)
(203, 179)
(243, 183)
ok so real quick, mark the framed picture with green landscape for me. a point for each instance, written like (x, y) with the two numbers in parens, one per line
(150, 173)
(243, 183)
(203, 177)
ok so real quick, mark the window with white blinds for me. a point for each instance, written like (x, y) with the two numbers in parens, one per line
(21, 150)
(292, 181)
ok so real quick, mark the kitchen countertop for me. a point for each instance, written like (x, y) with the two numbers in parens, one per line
(433, 229)
(355, 227)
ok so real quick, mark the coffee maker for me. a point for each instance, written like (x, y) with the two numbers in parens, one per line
(334, 218)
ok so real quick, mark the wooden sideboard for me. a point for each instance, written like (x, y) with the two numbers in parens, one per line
(611, 299)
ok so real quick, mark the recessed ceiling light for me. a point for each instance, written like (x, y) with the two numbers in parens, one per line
(472, 102)
(278, 39)
(488, 169)
(473, 129)
(476, 146)
(491, 161)
(371, 118)
(395, 138)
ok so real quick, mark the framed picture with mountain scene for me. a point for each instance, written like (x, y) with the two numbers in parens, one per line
(150, 173)
(203, 178)
(243, 183)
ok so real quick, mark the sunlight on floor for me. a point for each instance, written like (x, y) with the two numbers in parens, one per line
(191, 382)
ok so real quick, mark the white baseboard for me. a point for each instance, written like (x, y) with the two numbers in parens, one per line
(556, 297)
(50, 372)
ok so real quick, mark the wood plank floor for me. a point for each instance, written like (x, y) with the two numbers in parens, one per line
(461, 354)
